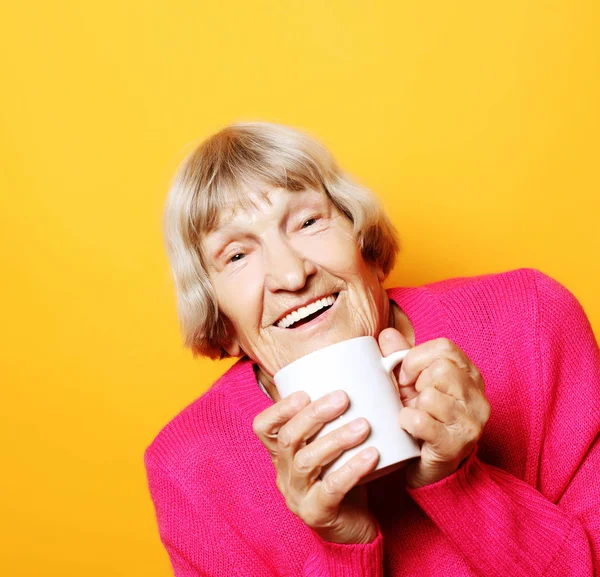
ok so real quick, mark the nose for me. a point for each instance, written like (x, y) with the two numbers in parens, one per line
(286, 268)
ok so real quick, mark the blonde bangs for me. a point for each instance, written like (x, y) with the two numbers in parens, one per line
(217, 179)
(227, 167)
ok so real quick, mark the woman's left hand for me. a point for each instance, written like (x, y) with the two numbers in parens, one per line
(444, 404)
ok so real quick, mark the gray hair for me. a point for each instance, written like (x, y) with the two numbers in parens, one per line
(255, 156)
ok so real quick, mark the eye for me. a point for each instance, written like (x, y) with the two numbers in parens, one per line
(309, 222)
(235, 258)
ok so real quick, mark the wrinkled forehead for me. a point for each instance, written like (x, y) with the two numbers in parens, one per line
(233, 203)
(220, 220)
(217, 210)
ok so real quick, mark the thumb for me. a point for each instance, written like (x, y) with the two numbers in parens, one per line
(392, 340)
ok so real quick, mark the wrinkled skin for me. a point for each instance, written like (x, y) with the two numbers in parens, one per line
(444, 406)
(296, 246)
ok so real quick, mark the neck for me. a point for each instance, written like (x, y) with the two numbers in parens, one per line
(396, 319)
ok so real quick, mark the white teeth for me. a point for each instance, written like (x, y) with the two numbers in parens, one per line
(303, 312)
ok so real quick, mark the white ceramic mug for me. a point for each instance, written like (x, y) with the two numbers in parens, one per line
(357, 367)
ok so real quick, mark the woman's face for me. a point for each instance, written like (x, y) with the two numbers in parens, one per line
(291, 250)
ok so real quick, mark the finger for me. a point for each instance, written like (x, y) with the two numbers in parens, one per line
(439, 405)
(421, 425)
(305, 424)
(309, 461)
(421, 356)
(266, 424)
(408, 395)
(444, 375)
(390, 340)
(335, 485)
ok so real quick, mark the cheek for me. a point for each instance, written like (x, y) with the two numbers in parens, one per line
(337, 253)
(240, 298)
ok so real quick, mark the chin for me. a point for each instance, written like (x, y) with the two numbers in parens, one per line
(321, 342)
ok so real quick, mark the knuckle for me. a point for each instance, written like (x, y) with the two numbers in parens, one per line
(445, 345)
(426, 398)
(458, 410)
(341, 438)
(299, 399)
(419, 421)
(352, 468)
(258, 425)
(332, 484)
(328, 406)
(308, 514)
(284, 438)
(303, 461)
(317, 410)
(472, 431)
(321, 409)
(281, 414)
(440, 369)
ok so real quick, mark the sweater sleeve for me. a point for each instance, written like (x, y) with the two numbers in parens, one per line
(200, 542)
(339, 560)
(503, 525)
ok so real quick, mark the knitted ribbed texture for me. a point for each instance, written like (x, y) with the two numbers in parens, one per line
(525, 503)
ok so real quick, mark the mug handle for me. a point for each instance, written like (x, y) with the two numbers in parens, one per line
(392, 360)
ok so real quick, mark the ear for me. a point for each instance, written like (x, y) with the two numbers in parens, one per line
(230, 343)
(380, 273)
(233, 348)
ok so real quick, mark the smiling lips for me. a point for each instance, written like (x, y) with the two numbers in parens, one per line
(309, 310)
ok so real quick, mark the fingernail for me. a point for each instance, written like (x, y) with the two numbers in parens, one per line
(297, 398)
(337, 398)
(368, 454)
(358, 425)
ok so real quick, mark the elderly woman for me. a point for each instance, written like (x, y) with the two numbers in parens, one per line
(261, 222)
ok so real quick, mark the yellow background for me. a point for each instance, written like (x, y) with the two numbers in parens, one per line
(477, 123)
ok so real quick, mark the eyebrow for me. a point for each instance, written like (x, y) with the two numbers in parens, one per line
(227, 238)
(231, 233)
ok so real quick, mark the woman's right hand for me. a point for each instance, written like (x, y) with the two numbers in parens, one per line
(328, 506)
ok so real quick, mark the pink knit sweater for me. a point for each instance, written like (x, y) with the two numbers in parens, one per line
(527, 502)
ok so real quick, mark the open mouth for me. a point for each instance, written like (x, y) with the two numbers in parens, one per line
(305, 315)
